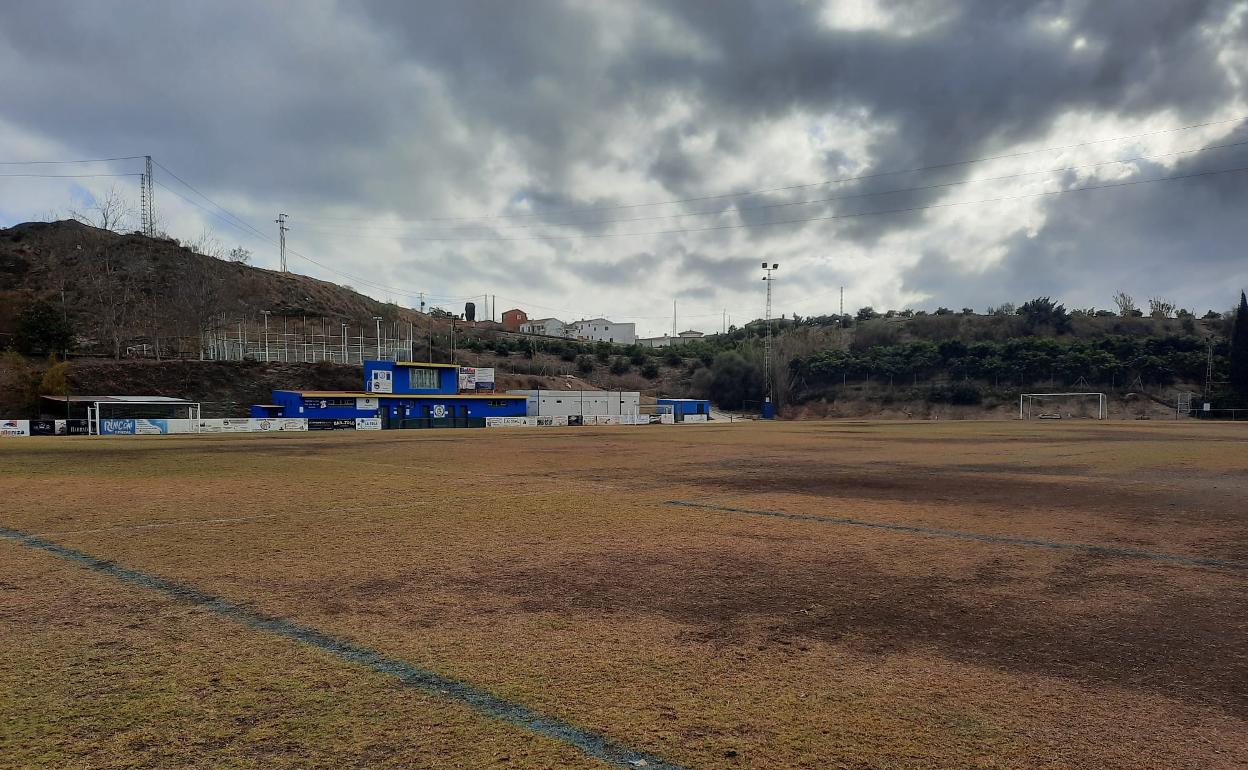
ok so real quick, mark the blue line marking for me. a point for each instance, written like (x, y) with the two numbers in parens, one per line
(1103, 550)
(589, 743)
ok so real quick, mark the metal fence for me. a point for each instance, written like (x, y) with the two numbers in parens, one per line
(243, 344)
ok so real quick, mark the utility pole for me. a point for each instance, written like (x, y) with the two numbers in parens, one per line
(673, 319)
(377, 318)
(266, 334)
(422, 302)
(281, 232)
(769, 400)
(842, 302)
(1204, 396)
(146, 212)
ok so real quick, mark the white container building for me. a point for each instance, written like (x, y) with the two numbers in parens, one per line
(571, 403)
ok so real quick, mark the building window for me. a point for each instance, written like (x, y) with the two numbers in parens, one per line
(423, 379)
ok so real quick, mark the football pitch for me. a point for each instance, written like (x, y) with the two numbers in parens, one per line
(1066, 594)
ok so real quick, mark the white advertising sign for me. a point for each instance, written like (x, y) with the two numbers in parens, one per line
(382, 381)
(208, 426)
(467, 378)
(506, 422)
(368, 423)
(364, 404)
(695, 418)
(484, 379)
(236, 425)
(273, 424)
(667, 419)
(14, 427)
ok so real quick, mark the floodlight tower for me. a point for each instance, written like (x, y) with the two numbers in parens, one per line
(769, 400)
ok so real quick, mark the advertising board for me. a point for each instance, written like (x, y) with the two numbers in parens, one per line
(14, 427)
(367, 404)
(505, 422)
(382, 381)
(117, 427)
(43, 427)
(476, 378)
(368, 423)
(272, 424)
(208, 426)
(73, 428)
(695, 418)
(151, 427)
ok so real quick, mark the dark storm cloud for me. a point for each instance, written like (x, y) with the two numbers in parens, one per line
(434, 109)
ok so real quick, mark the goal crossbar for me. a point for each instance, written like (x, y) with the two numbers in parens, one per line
(1025, 401)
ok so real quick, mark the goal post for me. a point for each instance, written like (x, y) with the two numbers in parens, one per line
(1055, 406)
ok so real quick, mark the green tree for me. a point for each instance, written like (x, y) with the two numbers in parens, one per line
(1043, 311)
(734, 381)
(1239, 348)
(619, 365)
(41, 328)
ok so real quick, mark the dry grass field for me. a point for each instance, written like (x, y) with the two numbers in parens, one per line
(792, 595)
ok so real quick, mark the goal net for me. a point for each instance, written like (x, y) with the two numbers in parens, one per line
(1061, 406)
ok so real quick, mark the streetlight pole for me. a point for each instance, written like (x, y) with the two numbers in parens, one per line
(769, 400)
(344, 343)
(265, 313)
(377, 318)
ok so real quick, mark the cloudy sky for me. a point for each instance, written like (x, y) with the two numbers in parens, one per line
(599, 157)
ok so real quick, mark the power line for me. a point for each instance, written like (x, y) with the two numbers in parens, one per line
(229, 213)
(831, 217)
(251, 232)
(65, 162)
(871, 194)
(861, 177)
(69, 176)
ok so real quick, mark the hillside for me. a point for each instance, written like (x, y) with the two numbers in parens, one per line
(121, 289)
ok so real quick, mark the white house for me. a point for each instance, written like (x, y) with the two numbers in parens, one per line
(667, 340)
(603, 330)
(551, 327)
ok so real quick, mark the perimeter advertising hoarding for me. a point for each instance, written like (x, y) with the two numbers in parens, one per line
(43, 427)
(14, 427)
(506, 422)
(272, 424)
(368, 423)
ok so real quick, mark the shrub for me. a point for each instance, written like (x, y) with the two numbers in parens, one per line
(585, 364)
(619, 365)
(650, 371)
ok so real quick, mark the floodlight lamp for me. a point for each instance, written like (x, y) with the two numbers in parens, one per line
(764, 265)
(775, 266)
